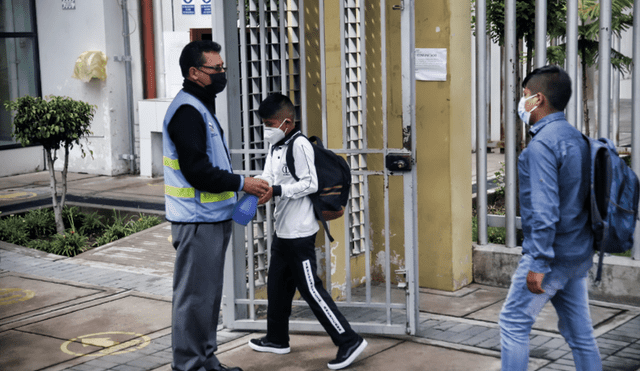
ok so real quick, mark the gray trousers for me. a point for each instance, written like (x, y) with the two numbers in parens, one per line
(197, 292)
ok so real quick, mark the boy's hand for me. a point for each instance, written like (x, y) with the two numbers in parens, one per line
(266, 197)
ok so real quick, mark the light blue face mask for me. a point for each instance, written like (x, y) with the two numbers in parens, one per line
(522, 112)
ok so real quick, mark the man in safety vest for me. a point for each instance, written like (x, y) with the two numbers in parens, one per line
(200, 193)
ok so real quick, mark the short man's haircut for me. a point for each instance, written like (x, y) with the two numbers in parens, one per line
(553, 82)
(278, 106)
(193, 54)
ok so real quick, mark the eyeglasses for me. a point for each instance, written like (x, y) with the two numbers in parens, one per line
(217, 68)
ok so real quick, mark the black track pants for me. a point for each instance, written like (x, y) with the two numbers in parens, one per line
(293, 265)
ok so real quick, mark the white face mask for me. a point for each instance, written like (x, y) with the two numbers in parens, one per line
(274, 135)
(522, 112)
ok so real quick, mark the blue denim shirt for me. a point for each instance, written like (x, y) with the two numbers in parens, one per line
(554, 174)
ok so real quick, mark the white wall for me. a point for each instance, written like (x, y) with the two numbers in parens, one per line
(63, 35)
(21, 160)
(176, 26)
(183, 22)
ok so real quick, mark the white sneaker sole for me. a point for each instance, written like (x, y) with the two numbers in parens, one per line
(268, 349)
(348, 361)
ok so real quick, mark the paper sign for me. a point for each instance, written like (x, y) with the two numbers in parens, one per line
(431, 64)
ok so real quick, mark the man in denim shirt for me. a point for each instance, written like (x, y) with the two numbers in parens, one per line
(558, 244)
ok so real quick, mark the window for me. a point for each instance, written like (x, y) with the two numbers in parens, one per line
(19, 69)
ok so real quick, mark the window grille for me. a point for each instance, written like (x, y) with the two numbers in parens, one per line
(354, 103)
(269, 36)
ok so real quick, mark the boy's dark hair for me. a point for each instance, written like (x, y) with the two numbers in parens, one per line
(553, 82)
(275, 104)
(192, 54)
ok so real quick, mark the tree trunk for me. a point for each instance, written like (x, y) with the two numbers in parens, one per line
(64, 176)
(57, 208)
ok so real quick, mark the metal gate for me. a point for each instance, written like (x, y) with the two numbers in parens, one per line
(268, 38)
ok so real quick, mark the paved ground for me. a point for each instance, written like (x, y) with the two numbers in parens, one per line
(109, 308)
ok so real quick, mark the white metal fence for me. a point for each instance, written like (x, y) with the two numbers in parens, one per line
(607, 98)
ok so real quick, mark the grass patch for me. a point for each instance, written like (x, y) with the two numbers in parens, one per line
(83, 230)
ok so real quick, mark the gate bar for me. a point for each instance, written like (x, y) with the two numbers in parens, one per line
(511, 60)
(385, 128)
(224, 31)
(635, 113)
(604, 67)
(572, 61)
(481, 121)
(407, 32)
(615, 96)
(541, 33)
(323, 92)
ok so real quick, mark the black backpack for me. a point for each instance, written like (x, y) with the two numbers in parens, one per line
(334, 181)
(613, 199)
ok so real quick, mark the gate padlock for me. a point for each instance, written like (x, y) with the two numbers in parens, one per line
(398, 162)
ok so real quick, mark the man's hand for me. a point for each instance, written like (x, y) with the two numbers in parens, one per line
(267, 196)
(255, 186)
(534, 282)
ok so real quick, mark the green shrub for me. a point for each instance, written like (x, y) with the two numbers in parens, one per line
(143, 222)
(120, 228)
(40, 223)
(72, 216)
(42, 245)
(496, 235)
(37, 229)
(69, 244)
(92, 223)
(14, 230)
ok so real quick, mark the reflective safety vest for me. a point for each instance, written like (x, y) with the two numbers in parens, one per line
(183, 203)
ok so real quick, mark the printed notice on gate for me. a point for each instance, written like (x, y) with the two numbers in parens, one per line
(431, 64)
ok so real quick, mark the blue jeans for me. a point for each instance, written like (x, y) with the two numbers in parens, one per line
(566, 287)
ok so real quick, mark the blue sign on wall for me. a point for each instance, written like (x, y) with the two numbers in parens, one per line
(205, 8)
(188, 8)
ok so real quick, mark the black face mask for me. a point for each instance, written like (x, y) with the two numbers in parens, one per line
(218, 83)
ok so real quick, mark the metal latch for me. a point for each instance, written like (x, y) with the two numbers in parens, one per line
(403, 272)
(399, 7)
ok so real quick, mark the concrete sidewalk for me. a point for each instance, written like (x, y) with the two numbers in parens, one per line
(110, 308)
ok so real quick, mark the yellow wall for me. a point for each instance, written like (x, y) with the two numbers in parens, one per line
(443, 116)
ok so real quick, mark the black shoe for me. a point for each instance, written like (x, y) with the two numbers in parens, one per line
(222, 367)
(262, 345)
(347, 354)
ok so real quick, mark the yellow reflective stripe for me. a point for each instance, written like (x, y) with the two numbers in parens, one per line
(179, 192)
(206, 197)
(166, 161)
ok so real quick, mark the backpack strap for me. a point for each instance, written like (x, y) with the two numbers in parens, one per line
(289, 156)
(292, 169)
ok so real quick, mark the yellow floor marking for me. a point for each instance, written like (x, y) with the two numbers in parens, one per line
(107, 341)
(14, 295)
(16, 195)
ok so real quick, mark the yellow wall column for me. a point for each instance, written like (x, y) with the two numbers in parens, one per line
(443, 119)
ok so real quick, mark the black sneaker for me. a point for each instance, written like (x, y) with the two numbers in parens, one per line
(262, 345)
(347, 354)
